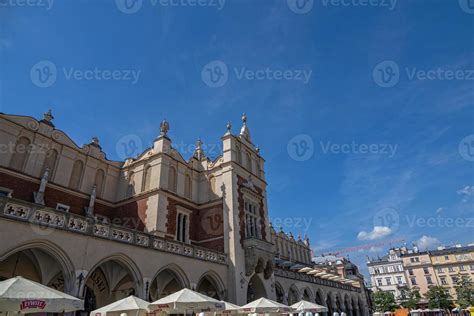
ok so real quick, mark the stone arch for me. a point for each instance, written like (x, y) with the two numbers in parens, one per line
(293, 295)
(280, 293)
(255, 288)
(167, 280)
(330, 303)
(347, 305)
(20, 154)
(211, 285)
(112, 278)
(55, 252)
(308, 295)
(339, 303)
(319, 298)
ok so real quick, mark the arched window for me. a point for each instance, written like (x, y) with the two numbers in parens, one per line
(76, 174)
(99, 182)
(249, 162)
(238, 153)
(212, 184)
(50, 162)
(20, 154)
(187, 186)
(131, 184)
(172, 179)
(146, 179)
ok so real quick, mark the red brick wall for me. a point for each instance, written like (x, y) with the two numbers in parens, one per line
(204, 224)
(131, 215)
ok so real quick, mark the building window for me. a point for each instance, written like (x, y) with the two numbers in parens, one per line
(20, 154)
(461, 268)
(379, 282)
(443, 281)
(62, 207)
(471, 267)
(440, 270)
(455, 279)
(451, 269)
(238, 154)
(410, 272)
(76, 174)
(50, 162)
(399, 280)
(212, 184)
(182, 227)
(428, 280)
(389, 281)
(187, 186)
(131, 184)
(172, 179)
(377, 271)
(446, 257)
(99, 182)
(252, 221)
(4, 192)
(413, 281)
(425, 270)
(249, 162)
(146, 184)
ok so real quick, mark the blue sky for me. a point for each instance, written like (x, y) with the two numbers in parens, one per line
(361, 111)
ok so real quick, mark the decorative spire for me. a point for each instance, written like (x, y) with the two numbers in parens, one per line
(95, 142)
(228, 127)
(164, 128)
(198, 152)
(48, 116)
(244, 131)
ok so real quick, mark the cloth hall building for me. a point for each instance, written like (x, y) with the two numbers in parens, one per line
(151, 225)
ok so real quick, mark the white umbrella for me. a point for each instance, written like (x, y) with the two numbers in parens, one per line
(308, 307)
(229, 309)
(185, 301)
(131, 304)
(25, 296)
(263, 306)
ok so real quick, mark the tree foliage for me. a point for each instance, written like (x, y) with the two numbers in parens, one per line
(384, 301)
(410, 298)
(464, 292)
(438, 297)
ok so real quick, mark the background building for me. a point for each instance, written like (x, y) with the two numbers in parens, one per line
(387, 273)
(150, 225)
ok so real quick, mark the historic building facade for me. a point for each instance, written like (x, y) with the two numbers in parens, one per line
(150, 225)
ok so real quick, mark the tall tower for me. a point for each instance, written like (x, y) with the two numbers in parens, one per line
(247, 230)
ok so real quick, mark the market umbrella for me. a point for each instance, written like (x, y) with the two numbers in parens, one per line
(131, 304)
(229, 308)
(308, 307)
(186, 301)
(22, 295)
(263, 306)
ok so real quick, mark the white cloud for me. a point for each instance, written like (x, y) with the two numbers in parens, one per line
(377, 233)
(427, 242)
(467, 192)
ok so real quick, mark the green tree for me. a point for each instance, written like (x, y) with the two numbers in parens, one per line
(438, 297)
(384, 301)
(410, 298)
(464, 291)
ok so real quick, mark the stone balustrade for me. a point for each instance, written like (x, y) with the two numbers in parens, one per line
(55, 219)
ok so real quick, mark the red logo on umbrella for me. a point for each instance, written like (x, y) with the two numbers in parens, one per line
(31, 304)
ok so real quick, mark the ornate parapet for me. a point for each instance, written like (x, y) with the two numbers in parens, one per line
(41, 216)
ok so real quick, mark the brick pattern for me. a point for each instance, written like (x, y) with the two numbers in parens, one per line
(204, 223)
(130, 215)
